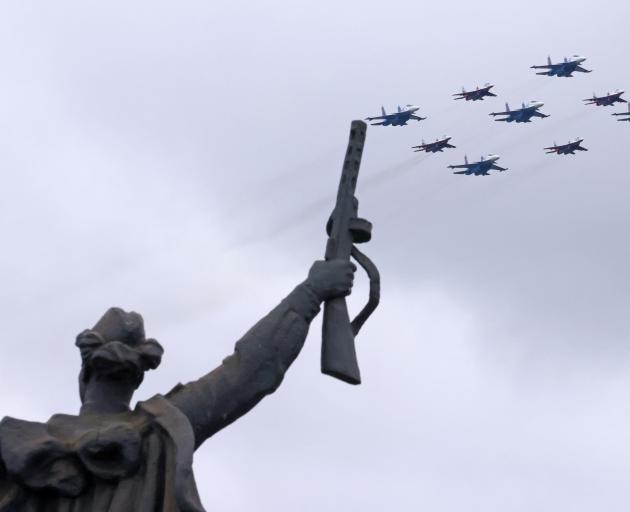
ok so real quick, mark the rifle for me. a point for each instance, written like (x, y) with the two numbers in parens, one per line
(344, 228)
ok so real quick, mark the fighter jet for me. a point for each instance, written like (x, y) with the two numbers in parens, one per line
(607, 100)
(565, 68)
(567, 149)
(477, 94)
(433, 147)
(623, 114)
(521, 115)
(479, 168)
(398, 118)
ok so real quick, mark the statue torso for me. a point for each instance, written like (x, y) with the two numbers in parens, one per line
(135, 461)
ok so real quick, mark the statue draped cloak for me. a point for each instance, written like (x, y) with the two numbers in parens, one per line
(141, 460)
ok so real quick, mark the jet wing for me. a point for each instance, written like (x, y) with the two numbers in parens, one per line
(583, 70)
(544, 66)
(460, 166)
(498, 168)
(463, 172)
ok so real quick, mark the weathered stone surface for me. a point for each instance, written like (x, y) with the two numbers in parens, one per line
(111, 458)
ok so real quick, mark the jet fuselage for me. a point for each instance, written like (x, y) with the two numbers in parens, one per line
(521, 115)
(434, 147)
(399, 118)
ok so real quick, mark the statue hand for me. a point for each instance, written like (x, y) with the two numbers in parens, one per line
(331, 279)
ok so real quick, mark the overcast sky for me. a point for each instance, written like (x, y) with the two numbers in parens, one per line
(180, 159)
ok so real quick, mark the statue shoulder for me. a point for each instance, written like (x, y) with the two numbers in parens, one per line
(162, 410)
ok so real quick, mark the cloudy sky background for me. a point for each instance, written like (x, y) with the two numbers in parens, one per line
(181, 159)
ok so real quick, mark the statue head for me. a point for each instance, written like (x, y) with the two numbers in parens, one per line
(116, 349)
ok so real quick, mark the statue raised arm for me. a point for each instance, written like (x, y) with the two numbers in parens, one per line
(111, 458)
(262, 356)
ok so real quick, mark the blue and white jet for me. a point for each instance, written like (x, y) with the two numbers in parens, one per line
(398, 118)
(434, 147)
(609, 99)
(521, 115)
(479, 168)
(477, 94)
(567, 149)
(627, 114)
(566, 68)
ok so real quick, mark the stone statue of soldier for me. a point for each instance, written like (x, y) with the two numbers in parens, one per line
(113, 459)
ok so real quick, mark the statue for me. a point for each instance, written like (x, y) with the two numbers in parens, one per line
(110, 458)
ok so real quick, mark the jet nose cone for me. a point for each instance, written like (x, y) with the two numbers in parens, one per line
(494, 158)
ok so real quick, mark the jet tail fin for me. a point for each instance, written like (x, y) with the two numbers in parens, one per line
(383, 111)
(466, 159)
(507, 106)
(549, 60)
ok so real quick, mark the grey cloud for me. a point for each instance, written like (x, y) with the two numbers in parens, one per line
(182, 160)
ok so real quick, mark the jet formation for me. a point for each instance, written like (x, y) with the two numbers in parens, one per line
(567, 149)
(398, 118)
(566, 68)
(434, 147)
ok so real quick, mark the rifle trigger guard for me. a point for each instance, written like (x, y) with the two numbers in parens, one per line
(375, 288)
